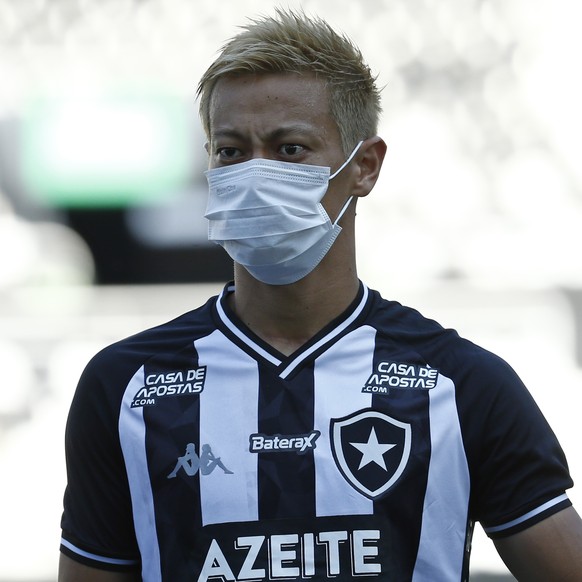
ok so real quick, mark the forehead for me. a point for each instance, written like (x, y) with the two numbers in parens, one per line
(266, 102)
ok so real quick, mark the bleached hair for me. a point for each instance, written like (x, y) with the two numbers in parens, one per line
(291, 42)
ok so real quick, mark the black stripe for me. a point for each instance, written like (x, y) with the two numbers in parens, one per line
(286, 480)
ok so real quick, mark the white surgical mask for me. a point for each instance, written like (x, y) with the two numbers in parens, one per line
(269, 218)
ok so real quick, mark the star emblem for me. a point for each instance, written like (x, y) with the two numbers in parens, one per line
(372, 451)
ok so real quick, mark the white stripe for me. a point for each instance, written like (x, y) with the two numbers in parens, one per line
(229, 415)
(527, 515)
(236, 331)
(445, 511)
(335, 332)
(132, 433)
(338, 382)
(113, 561)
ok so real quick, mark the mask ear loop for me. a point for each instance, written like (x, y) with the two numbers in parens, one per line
(343, 210)
(350, 158)
(349, 200)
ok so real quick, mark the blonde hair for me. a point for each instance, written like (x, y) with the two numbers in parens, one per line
(293, 43)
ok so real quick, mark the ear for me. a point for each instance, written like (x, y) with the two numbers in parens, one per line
(369, 161)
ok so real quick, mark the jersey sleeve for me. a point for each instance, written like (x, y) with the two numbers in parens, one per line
(97, 524)
(518, 470)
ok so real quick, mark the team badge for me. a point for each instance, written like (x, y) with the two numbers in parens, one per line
(371, 450)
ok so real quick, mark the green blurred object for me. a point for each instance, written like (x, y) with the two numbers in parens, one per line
(107, 152)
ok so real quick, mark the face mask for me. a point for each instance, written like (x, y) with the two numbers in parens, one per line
(269, 218)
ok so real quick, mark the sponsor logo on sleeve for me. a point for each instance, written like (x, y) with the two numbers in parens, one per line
(400, 376)
(168, 384)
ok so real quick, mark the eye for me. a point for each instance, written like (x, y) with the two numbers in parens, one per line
(291, 149)
(228, 153)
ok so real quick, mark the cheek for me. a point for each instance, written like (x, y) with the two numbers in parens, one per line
(339, 190)
(334, 200)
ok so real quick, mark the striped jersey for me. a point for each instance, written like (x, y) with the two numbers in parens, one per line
(195, 451)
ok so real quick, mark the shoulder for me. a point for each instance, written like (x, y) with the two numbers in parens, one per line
(440, 346)
(165, 337)
(110, 370)
(482, 380)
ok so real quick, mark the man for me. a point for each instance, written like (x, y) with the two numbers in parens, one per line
(360, 438)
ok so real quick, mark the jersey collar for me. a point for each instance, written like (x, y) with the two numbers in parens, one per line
(239, 333)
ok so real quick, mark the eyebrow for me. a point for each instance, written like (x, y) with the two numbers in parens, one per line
(295, 128)
(226, 133)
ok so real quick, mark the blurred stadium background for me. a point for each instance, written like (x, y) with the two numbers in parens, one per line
(476, 220)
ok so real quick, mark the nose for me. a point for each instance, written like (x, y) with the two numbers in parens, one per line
(260, 151)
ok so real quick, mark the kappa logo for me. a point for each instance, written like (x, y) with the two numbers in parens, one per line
(371, 450)
(402, 376)
(164, 384)
(191, 463)
(300, 444)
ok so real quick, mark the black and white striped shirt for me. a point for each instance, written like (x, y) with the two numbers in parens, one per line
(195, 451)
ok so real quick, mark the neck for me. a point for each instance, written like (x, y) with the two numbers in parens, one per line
(288, 316)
